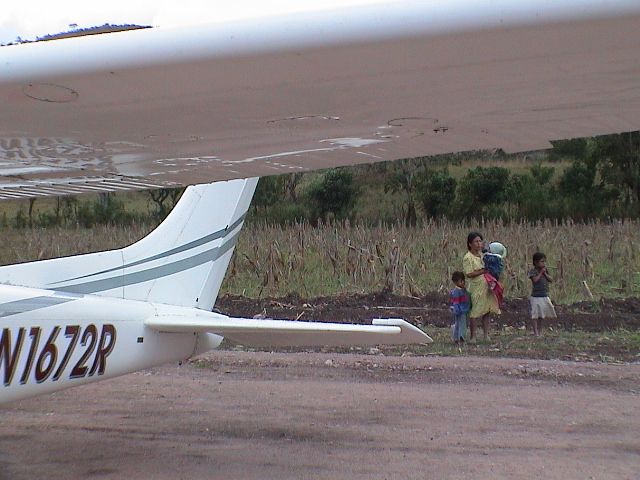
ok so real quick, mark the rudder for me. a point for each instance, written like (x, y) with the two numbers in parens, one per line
(182, 262)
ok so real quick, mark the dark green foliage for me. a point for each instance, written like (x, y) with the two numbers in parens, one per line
(112, 212)
(21, 219)
(481, 191)
(401, 180)
(582, 197)
(105, 211)
(604, 179)
(436, 191)
(71, 211)
(276, 200)
(578, 179)
(573, 148)
(541, 174)
(485, 185)
(618, 162)
(333, 196)
(531, 197)
(47, 219)
(269, 191)
(403, 177)
(280, 213)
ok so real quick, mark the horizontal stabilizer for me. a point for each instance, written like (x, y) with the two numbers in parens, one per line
(290, 333)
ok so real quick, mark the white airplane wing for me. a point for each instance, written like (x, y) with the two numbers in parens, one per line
(381, 81)
(274, 333)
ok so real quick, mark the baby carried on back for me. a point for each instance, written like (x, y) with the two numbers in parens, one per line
(493, 260)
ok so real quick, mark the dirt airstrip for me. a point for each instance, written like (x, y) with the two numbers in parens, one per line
(312, 415)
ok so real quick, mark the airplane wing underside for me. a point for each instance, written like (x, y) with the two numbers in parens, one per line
(281, 94)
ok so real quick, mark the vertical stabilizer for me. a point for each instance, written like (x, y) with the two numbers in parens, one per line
(182, 262)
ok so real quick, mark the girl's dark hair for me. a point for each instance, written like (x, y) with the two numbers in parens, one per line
(456, 276)
(538, 256)
(471, 236)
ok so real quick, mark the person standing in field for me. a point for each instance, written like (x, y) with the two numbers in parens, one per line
(541, 306)
(459, 305)
(483, 302)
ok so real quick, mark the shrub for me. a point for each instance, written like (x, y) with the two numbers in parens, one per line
(334, 196)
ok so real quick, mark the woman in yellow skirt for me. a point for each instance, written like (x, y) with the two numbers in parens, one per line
(483, 302)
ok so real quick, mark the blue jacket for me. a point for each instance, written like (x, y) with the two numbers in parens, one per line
(493, 264)
(460, 302)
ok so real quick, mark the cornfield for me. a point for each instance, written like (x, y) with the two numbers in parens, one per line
(596, 259)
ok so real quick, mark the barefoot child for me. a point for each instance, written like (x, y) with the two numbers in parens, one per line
(541, 306)
(460, 306)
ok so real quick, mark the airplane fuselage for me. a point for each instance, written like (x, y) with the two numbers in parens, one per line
(99, 315)
(52, 340)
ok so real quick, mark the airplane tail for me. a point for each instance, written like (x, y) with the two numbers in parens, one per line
(182, 262)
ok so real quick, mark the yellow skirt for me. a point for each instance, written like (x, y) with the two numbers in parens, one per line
(483, 300)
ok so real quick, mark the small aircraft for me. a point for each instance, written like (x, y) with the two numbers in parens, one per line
(99, 315)
(232, 101)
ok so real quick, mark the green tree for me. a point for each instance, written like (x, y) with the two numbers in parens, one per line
(401, 177)
(402, 180)
(618, 163)
(575, 148)
(436, 191)
(482, 192)
(578, 179)
(269, 191)
(583, 196)
(541, 174)
(604, 178)
(334, 195)
(532, 195)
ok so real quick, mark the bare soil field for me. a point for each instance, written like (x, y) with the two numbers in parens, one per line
(431, 309)
(509, 334)
(318, 414)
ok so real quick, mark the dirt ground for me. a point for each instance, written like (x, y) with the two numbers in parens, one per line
(431, 312)
(326, 416)
(311, 415)
(431, 309)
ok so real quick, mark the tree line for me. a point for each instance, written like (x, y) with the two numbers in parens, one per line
(582, 179)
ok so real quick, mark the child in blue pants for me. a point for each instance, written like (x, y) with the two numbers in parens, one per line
(460, 307)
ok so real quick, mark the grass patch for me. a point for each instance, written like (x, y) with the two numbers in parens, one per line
(616, 346)
(610, 347)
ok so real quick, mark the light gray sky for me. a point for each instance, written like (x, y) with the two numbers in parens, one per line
(35, 18)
